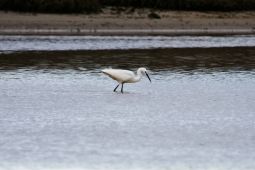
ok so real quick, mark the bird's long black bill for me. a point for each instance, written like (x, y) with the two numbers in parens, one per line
(147, 76)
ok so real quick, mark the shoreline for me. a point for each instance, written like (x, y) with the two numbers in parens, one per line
(138, 23)
(129, 32)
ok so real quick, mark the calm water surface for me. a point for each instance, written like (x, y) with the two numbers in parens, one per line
(59, 43)
(58, 111)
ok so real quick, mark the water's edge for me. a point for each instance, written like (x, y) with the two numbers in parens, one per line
(63, 43)
(128, 32)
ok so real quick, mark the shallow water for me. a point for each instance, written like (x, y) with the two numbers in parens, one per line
(53, 43)
(57, 111)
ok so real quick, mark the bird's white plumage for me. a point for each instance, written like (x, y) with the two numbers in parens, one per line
(125, 76)
(121, 76)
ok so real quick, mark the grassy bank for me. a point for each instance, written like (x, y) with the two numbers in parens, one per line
(92, 6)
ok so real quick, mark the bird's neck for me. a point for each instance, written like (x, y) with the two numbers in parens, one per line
(138, 76)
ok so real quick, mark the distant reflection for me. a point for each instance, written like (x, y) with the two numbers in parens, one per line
(186, 60)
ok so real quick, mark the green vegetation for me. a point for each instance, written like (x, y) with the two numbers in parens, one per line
(87, 6)
(51, 6)
(199, 5)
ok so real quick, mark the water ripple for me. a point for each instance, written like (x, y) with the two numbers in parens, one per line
(51, 43)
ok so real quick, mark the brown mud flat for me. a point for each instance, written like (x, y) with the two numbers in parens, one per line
(137, 22)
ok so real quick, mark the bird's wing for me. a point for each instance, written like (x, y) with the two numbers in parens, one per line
(119, 75)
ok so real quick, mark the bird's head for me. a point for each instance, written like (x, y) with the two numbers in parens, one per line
(144, 72)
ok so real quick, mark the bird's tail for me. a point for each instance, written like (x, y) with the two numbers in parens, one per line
(106, 70)
(103, 71)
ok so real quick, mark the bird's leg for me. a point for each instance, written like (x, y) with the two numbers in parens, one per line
(116, 88)
(122, 87)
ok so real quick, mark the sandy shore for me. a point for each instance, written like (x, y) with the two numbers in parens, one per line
(127, 22)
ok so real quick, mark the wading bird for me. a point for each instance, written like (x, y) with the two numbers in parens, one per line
(125, 76)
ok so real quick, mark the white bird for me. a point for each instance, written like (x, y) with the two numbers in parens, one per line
(125, 76)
